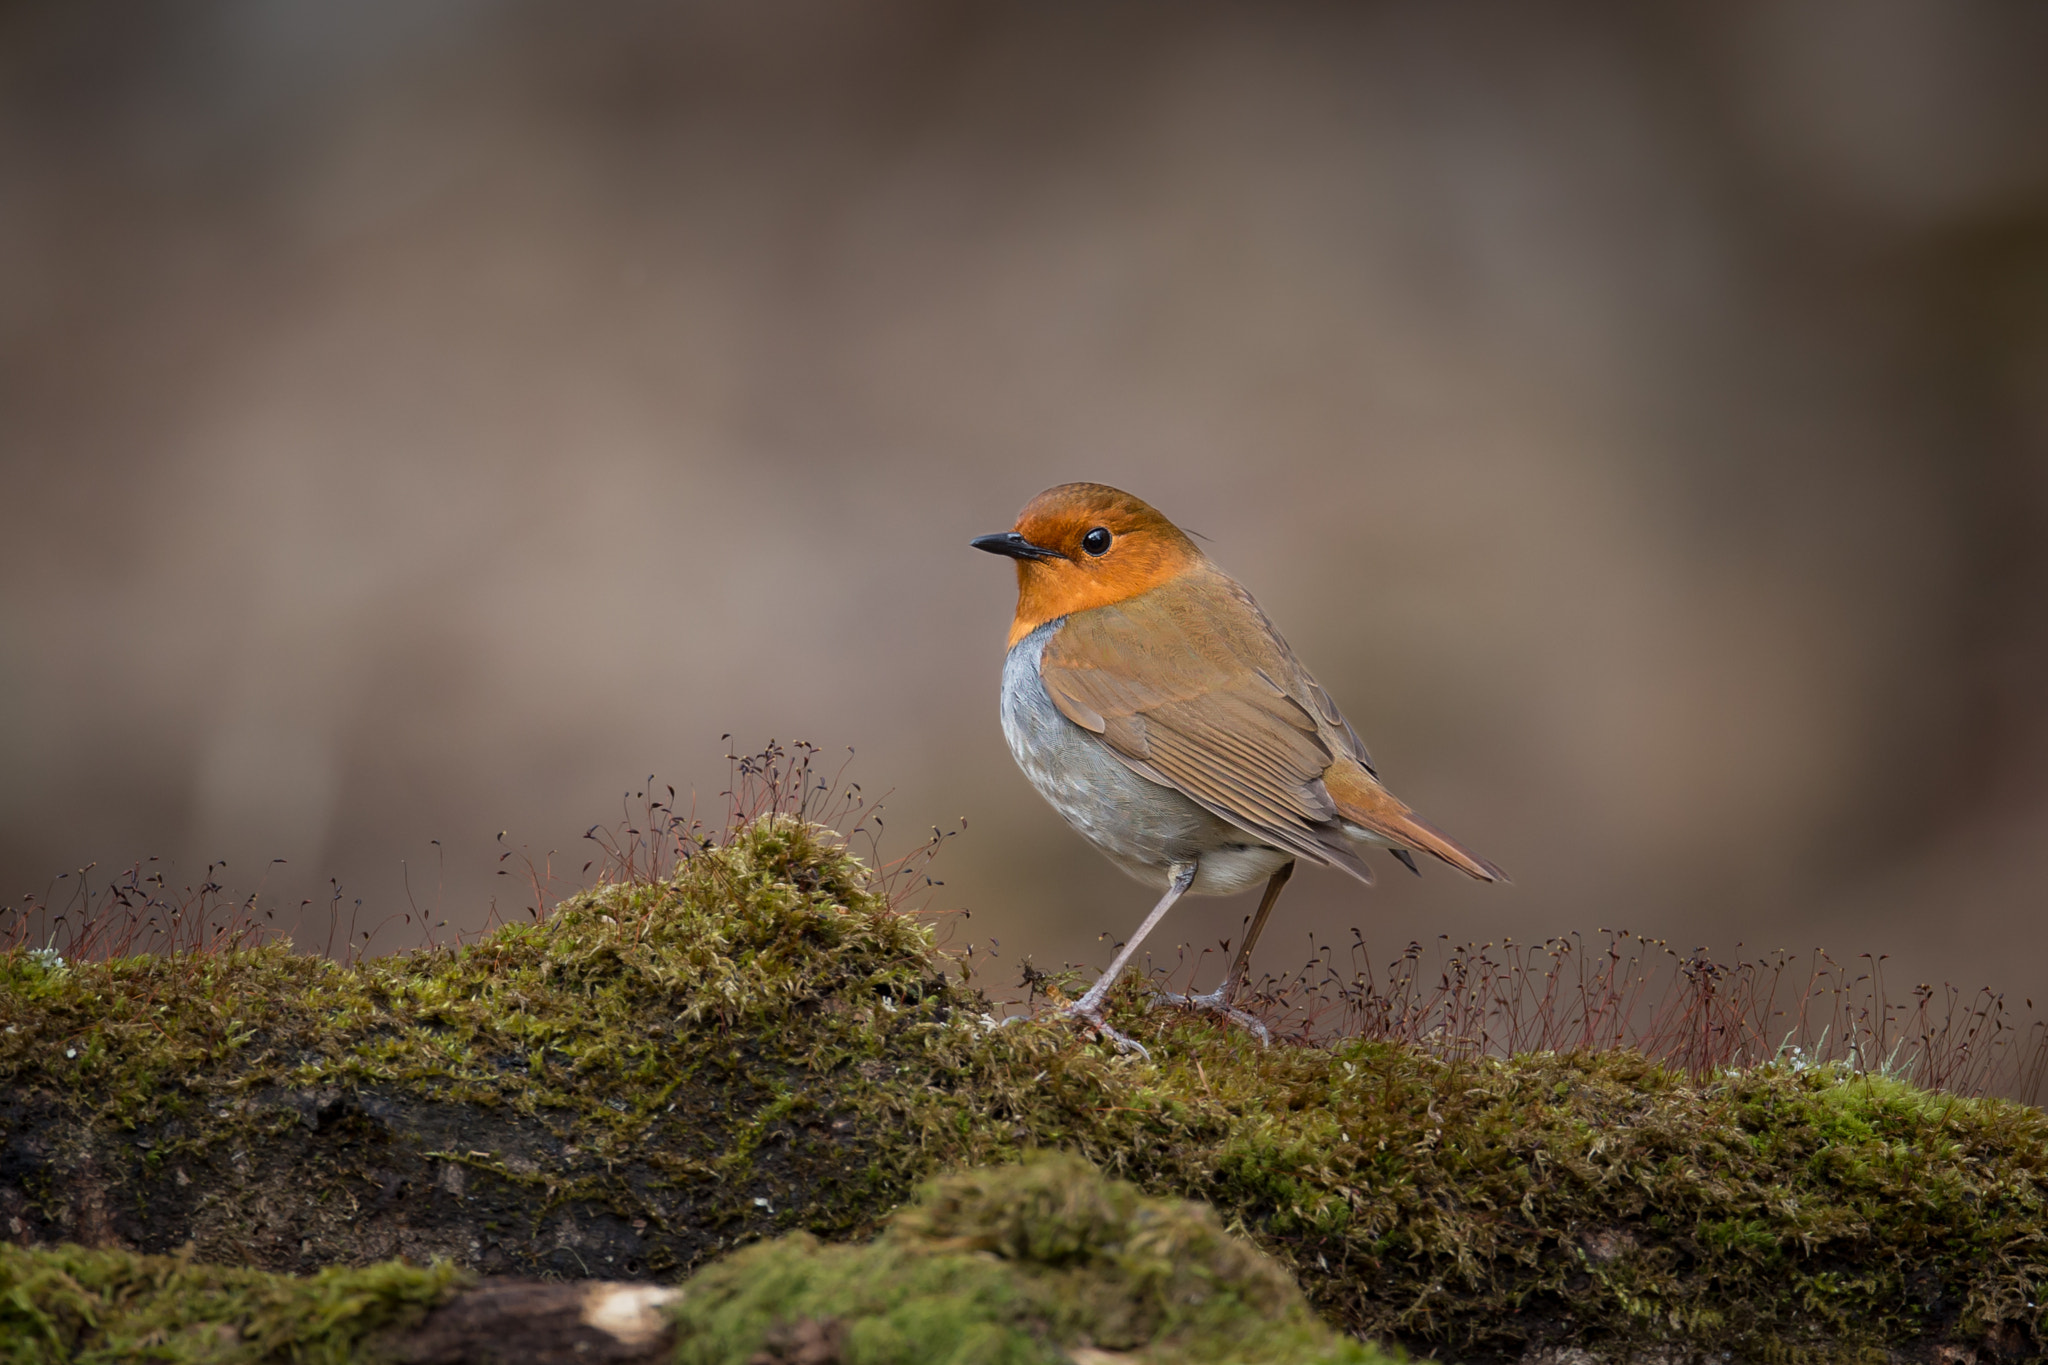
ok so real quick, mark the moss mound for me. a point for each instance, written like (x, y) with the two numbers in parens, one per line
(661, 1072)
(69, 1304)
(1013, 1266)
(654, 1073)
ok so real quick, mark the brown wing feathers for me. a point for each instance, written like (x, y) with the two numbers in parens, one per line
(1364, 802)
(1233, 724)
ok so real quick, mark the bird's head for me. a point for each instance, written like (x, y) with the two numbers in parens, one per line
(1085, 545)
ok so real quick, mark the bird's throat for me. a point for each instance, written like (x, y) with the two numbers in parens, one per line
(1050, 589)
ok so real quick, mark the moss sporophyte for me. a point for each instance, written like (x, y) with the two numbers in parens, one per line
(664, 1070)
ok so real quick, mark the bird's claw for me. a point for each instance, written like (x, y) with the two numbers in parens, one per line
(1218, 1001)
(1093, 1019)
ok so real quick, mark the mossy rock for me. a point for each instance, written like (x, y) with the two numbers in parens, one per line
(1046, 1263)
(662, 1072)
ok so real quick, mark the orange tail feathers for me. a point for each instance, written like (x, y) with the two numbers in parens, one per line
(1362, 801)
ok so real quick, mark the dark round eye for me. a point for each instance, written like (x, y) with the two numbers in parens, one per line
(1096, 541)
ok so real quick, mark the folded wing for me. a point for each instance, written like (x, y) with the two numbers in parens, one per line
(1192, 688)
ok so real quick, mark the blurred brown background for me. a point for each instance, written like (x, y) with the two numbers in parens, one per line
(421, 420)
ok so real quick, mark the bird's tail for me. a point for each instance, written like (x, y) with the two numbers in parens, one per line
(1363, 802)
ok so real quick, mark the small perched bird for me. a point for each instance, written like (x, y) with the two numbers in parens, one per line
(1152, 703)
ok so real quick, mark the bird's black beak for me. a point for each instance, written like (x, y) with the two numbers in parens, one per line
(1015, 546)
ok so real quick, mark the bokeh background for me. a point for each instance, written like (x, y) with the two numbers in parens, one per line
(424, 420)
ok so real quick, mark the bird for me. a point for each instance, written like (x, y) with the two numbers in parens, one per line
(1151, 702)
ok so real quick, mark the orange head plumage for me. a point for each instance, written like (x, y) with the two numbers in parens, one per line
(1085, 545)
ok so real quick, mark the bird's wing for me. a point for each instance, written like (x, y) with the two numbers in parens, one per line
(1202, 695)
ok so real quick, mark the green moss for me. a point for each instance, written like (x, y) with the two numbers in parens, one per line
(68, 1304)
(758, 1046)
(584, 1003)
(1484, 1206)
(662, 1046)
(1016, 1264)
(1019, 1264)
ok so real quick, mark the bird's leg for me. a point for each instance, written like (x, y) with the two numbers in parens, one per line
(1223, 1000)
(1089, 1006)
(1241, 965)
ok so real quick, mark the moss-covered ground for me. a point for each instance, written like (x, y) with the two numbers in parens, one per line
(1037, 1263)
(66, 1304)
(660, 1072)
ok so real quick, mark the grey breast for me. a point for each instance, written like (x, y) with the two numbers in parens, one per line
(1143, 827)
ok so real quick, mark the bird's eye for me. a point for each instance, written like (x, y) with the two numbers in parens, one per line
(1096, 542)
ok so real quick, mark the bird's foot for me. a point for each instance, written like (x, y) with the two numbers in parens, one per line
(1093, 1019)
(1219, 1001)
(1091, 1015)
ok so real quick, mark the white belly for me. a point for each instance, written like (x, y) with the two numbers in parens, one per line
(1143, 827)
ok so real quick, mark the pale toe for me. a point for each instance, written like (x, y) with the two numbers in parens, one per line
(1093, 1019)
(1218, 1002)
